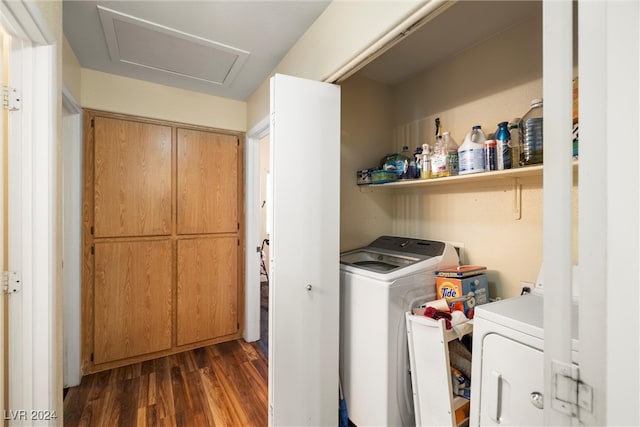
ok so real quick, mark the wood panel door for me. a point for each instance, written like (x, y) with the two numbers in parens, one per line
(132, 304)
(207, 288)
(132, 178)
(207, 184)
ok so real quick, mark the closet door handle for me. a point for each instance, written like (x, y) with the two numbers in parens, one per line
(495, 396)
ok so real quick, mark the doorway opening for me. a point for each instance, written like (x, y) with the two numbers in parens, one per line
(264, 247)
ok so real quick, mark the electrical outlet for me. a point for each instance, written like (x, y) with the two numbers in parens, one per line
(459, 249)
(528, 285)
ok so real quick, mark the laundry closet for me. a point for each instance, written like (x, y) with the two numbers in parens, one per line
(474, 63)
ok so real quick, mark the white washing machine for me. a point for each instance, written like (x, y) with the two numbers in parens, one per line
(507, 382)
(378, 284)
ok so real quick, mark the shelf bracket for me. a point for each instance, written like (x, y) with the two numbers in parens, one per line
(517, 199)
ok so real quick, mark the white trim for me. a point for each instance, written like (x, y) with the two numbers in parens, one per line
(421, 16)
(26, 21)
(70, 102)
(621, 125)
(3, 236)
(252, 230)
(34, 342)
(71, 241)
(557, 75)
(592, 225)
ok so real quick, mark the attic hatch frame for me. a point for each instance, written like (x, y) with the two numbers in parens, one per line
(172, 43)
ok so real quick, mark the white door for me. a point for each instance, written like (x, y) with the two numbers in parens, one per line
(609, 58)
(304, 252)
(3, 238)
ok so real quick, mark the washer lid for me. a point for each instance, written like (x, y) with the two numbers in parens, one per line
(376, 261)
(407, 246)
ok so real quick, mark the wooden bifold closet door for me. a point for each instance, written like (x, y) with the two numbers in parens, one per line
(163, 259)
(207, 224)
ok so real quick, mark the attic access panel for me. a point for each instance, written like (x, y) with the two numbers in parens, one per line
(146, 44)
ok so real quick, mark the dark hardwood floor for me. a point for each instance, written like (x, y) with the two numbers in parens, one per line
(220, 385)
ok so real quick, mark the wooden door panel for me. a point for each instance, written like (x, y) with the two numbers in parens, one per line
(207, 185)
(132, 176)
(132, 299)
(207, 288)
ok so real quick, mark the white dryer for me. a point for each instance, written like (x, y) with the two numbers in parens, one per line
(378, 284)
(507, 382)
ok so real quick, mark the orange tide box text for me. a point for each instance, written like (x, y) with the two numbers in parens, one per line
(475, 287)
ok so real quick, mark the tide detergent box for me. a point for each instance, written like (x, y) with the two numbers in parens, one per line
(475, 288)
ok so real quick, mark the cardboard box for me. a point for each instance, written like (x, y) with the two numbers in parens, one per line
(476, 287)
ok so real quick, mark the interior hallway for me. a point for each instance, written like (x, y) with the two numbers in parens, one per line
(222, 385)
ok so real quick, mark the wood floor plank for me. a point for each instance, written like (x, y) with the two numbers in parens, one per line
(220, 385)
(219, 410)
(164, 394)
(237, 389)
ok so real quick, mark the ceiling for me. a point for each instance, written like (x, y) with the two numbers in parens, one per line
(455, 27)
(225, 48)
(229, 47)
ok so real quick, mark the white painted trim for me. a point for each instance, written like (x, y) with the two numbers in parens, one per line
(19, 214)
(421, 16)
(70, 102)
(592, 187)
(3, 236)
(623, 216)
(252, 230)
(71, 241)
(557, 75)
(34, 346)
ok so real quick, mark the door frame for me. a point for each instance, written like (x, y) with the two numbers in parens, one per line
(34, 326)
(252, 231)
(72, 238)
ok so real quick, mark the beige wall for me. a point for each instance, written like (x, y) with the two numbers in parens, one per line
(345, 29)
(124, 95)
(71, 78)
(366, 136)
(489, 83)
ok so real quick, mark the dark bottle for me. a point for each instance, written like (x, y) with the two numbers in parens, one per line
(503, 149)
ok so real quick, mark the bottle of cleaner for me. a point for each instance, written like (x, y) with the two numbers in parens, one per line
(402, 163)
(451, 148)
(417, 155)
(439, 155)
(503, 149)
(471, 152)
(425, 163)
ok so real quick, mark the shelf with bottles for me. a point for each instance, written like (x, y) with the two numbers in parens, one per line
(520, 172)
